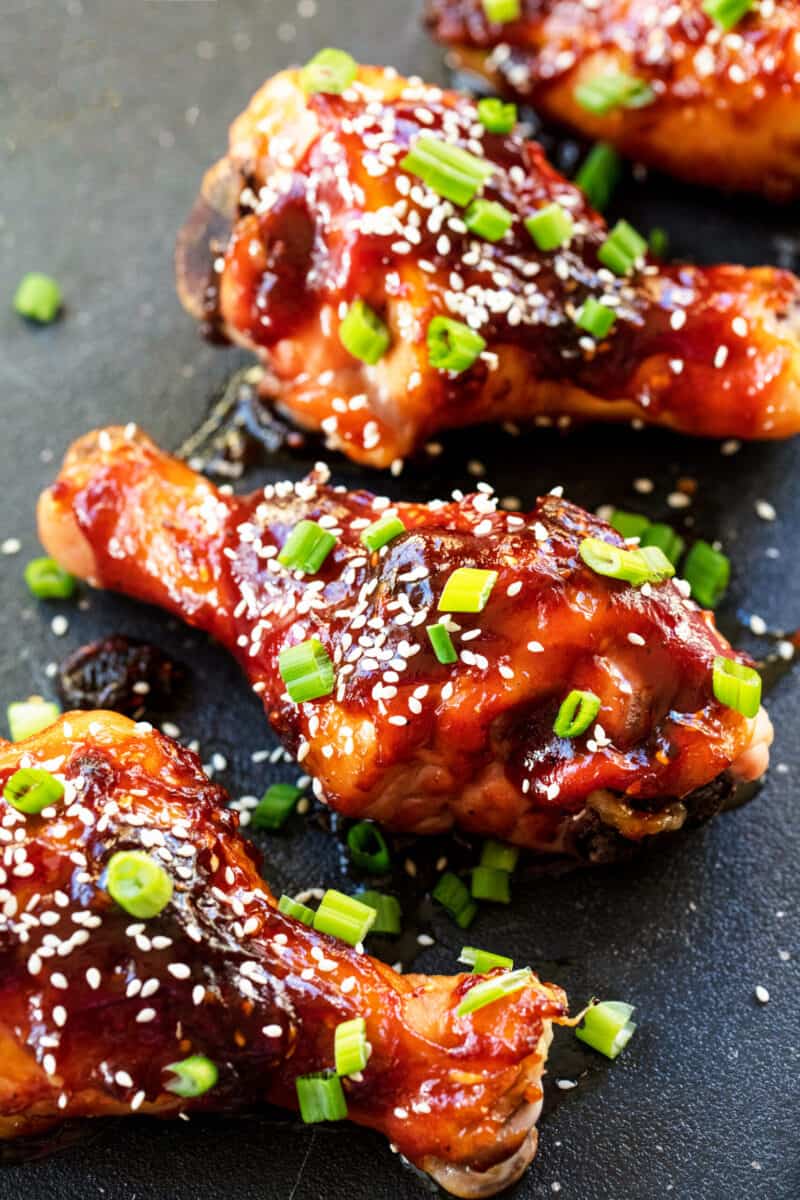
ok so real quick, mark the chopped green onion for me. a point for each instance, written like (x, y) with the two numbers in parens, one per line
(490, 884)
(451, 172)
(614, 90)
(596, 318)
(138, 883)
(344, 917)
(350, 1046)
(737, 686)
(496, 988)
(467, 590)
(599, 175)
(550, 227)
(387, 909)
(381, 532)
(496, 116)
(628, 524)
(31, 789)
(368, 848)
(483, 961)
(306, 547)
(500, 11)
(27, 717)
(453, 895)
(658, 242)
(194, 1076)
(330, 71)
(488, 219)
(363, 334)
(48, 581)
(727, 13)
(666, 539)
(622, 248)
(452, 345)
(320, 1097)
(576, 714)
(275, 806)
(708, 573)
(499, 855)
(307, 671)
(607, 1027)
(38, 297)
(632, 566)
(442, 644)
(293, 908)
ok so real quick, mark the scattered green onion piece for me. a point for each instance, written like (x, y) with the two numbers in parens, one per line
(38, 298)
(576, 714)
(727, 13)
(194, 1076)
(388, 919)
(27, 717)
(368, 848)
(599, 175)
(500, 11)
(484, 961)
(488, 219)
(330, 71)
(621, 248)
(614, 90)
(632, 566)
(628, 524)
(596, 318)
(442, 644)
(452, 345)
(275, 806)
(708, 573)
(499, 855)
(320, 1097)
(138, 883)
(737, 686)
(31, 789)
(363, 334)
(451, 172)
(607, 1027)
(48, 581)
(666, 539)
(496, 116)
(490, 884)
(496, 988)
(380, 533)
(467, 590)
(550, 227)
(306, 548)
(350, 1046)
(293, 908)
(344, 917)
(307, 671)
(453, 895)
(658, 242)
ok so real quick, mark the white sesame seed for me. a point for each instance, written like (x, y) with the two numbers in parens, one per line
(762, 995)
(765, 510)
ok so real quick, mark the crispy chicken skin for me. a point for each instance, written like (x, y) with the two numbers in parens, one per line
(94, 1004)
(415, 744)
(311, 210)
(725, 108)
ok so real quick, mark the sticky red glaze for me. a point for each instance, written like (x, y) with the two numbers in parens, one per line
(237, 981)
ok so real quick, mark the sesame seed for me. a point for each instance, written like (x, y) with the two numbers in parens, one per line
(762, 995)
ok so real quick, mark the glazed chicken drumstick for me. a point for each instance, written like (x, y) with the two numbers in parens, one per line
(662, 80)
(101, 997)
(327, 597)
(400, 269)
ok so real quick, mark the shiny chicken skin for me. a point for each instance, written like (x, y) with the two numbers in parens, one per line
(311, 210)
(94, 1004)
(418, 745)
(725, 106)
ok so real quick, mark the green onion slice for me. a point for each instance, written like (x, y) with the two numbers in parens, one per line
(576, 714)
(467, 590)
(727, 13)
(350, 1046)
(293, 908)
(607, 1027)
(453, 895)
(595, 317)
(496, 116)
(490, 884)
(138, 884)
(737, 686)
(442, 644)
(666, 539)
(614, 90)
(500, 11)
(320, 1097)
(363, 334)
(484, 961)
(496, 988)
(708, 573)
(488, 219)
(344, 917)
(599, 175)
(622, 248)
(388, 914)
(628, 524)
(658, 241)
(499, 855)
(631, 566)
(38, 298)
(48, 581)
(28, 717)
(330, 71)
(307, 671)
(275, 806)
(368, 848)
(381, 532)
(31, 789)
(306, 547)
(194, 1076)
(452, 345)
(550, 227)
(451, 172)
